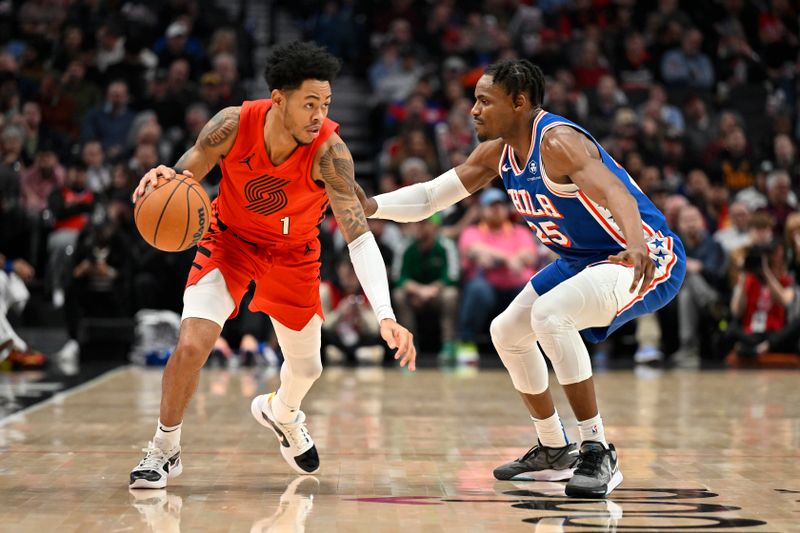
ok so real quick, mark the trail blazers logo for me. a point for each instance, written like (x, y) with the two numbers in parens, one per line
(265, 194)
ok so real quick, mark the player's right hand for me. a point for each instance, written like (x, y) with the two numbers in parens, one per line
(151, 179)
(396, 336)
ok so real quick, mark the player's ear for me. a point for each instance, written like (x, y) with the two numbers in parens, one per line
(277, 97)
(519, 101)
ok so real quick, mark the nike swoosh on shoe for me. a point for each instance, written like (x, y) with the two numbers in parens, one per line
(281, 436)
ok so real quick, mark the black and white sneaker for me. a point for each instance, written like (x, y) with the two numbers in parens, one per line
(597, 473)
(541, 463)
(156, 468)
(297, 447)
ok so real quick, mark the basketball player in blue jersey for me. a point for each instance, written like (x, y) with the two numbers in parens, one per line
(618, 259)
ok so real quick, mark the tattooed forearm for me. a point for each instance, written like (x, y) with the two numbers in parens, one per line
(336, 167)
(220, 128)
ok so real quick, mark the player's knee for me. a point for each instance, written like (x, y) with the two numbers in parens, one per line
(548, 317)
(306, 369)
(500, 333)
(192, 351)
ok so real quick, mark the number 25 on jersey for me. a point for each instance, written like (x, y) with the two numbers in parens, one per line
(548, 232)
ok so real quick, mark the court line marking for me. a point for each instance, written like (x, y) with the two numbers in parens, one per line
(60, 396)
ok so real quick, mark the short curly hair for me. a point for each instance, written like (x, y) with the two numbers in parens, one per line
(517, 76)
(289, 65)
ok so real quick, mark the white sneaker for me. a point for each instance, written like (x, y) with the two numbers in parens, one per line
(156, 468)
(647, 354)
(297, 448)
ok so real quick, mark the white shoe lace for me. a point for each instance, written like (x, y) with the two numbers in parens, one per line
(154, 458)
(296, 431)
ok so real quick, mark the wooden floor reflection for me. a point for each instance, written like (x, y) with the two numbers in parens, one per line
(705, 451)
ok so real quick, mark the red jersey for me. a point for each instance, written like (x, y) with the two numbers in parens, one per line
(763, 313)
(262, 202)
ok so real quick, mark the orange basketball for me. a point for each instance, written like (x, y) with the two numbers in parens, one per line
(174, 215)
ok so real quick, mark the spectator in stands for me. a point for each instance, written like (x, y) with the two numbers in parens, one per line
(100, 280)
(70, 207)
(226, 69)
(41, 179)
(608, 98)
(498, 258)
(701, 126)
(688, 66)
(781, 200)
(11, 142)
(84, 94)
(178, 44)
(705, 262)
(111, 46)
(785, 157)
(635, 68)
(98, 173)
(763, 303)
(111, 122)
(734, 165)
(425, 280)
(16, 272)
(590, 66)
(736, 235)
(37, 136)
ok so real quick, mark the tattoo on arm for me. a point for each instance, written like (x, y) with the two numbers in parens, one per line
(220, 128)
(336, 167)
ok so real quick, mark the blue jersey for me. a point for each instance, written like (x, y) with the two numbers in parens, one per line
(564, 218)
(584, 233)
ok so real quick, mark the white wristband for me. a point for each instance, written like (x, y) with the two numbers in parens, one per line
(371, 272)
(419, 201)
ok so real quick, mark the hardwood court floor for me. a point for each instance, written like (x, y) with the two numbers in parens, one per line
(407, 452)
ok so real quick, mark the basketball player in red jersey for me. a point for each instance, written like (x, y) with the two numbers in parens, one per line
(282, 162)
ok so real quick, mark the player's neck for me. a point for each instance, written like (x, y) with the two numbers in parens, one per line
(278, 142)
(521, 137)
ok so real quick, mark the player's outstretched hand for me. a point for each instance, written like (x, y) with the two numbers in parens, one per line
(643, 267)
(151, 179)
(396, 336)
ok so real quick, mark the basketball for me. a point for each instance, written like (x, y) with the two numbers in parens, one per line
(174, 215)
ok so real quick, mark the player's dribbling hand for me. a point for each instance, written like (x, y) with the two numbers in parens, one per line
(396, 336)
(151, 179)
(643, 267)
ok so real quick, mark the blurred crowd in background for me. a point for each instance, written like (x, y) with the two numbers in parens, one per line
(697, 100)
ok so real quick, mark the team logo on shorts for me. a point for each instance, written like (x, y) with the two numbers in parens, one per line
(265, 194)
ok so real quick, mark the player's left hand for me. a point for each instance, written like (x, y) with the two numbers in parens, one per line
(643, 267)
(396, 336)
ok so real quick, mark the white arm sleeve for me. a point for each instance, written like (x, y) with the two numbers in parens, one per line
(419, 201)
(371, 272)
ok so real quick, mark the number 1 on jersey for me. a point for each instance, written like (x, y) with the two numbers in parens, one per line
(285, 221)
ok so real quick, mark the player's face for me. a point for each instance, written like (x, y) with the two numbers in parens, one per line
(305, 109)
(493, 111)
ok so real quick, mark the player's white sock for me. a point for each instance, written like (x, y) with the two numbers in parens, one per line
(284, 413)
(551, 431)
(592, 429)
(167, 437)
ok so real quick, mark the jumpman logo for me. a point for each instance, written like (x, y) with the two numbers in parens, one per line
(246, 160)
